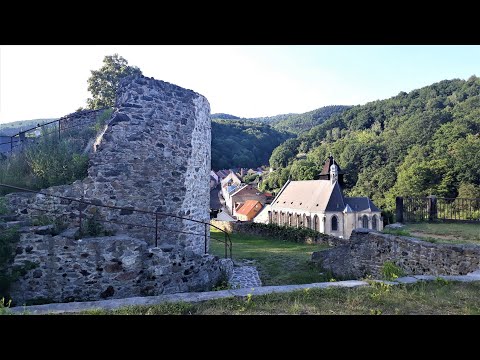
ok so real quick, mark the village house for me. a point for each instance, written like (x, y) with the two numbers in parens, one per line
(320, 205)
(248, 210)
(222, 174)
(229, 184)
(241, 194)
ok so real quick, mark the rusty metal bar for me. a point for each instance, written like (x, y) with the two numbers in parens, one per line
(156, 230)
(80, 223)
(206, 238)
(225, 238)
(227, 241)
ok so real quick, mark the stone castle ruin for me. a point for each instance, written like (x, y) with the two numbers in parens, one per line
(154, 155)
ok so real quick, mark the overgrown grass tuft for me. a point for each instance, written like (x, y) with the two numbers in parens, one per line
(381, 299)
(51, 160)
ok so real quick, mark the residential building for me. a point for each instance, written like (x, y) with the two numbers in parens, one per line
(241, 194)
(248, 210)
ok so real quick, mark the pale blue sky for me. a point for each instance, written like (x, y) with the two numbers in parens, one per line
(247, 81)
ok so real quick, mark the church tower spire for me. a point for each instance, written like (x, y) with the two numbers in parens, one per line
(333, 172)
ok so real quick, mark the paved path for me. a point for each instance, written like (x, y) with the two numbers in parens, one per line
(245, 277)
(214, 198)
(211, 295)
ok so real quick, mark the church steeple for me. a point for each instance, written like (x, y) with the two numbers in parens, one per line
(333, 173)
(327, 173)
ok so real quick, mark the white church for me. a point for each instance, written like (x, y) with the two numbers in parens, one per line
(321, 206)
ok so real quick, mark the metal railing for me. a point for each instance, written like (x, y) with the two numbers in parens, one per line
(432, 208)
(56, 127)
(83, 204)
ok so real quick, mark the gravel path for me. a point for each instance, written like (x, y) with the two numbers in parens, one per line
(245, 277)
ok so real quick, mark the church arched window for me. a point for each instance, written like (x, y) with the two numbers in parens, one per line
(365, 221)
(334, 223)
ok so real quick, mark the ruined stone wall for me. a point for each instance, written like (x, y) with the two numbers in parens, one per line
(155, 156)
(62, 269)
(368, 250)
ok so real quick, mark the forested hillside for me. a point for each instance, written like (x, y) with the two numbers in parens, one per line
(243, 143)
(418, 143)
(293, 123)
(299, 123)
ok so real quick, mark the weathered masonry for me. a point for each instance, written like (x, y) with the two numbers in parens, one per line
(154, 155)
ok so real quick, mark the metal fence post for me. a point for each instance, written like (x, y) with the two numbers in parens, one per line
(432, 208)
(399, 209)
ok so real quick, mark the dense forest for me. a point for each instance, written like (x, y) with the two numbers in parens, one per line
(243, 143)
(299, 123)
(293, 123)
(249, 142)
(425, 142)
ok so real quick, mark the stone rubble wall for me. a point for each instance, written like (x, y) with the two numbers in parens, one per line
(63, 269)
(368, 250)
(154, 156)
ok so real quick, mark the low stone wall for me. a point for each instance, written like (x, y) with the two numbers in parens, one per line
(61, 269)
(367, 251)
(224, 225)
(300, 235)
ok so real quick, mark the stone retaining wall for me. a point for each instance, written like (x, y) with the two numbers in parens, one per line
(367, 251)
(62, 269)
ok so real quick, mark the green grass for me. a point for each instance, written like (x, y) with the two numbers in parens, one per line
(438, 297)
(278, 262)
(454, 233)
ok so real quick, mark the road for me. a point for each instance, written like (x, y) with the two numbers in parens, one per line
(215, 202)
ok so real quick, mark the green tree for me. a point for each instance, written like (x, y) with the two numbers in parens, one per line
(104, 82)
(469, 191)
(304, 170)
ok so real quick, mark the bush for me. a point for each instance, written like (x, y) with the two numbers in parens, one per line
(390, 271)
(298, 235)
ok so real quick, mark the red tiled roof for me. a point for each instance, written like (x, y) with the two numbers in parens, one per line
(248, 206)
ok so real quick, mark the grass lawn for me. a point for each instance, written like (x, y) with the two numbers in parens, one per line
(455, 233)
(437, 297)
(278, 262)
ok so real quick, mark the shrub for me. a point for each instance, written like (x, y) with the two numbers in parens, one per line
(390, 271)
(4, 306)
(298, 235)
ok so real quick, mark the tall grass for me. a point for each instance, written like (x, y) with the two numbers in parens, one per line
(50, 160)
